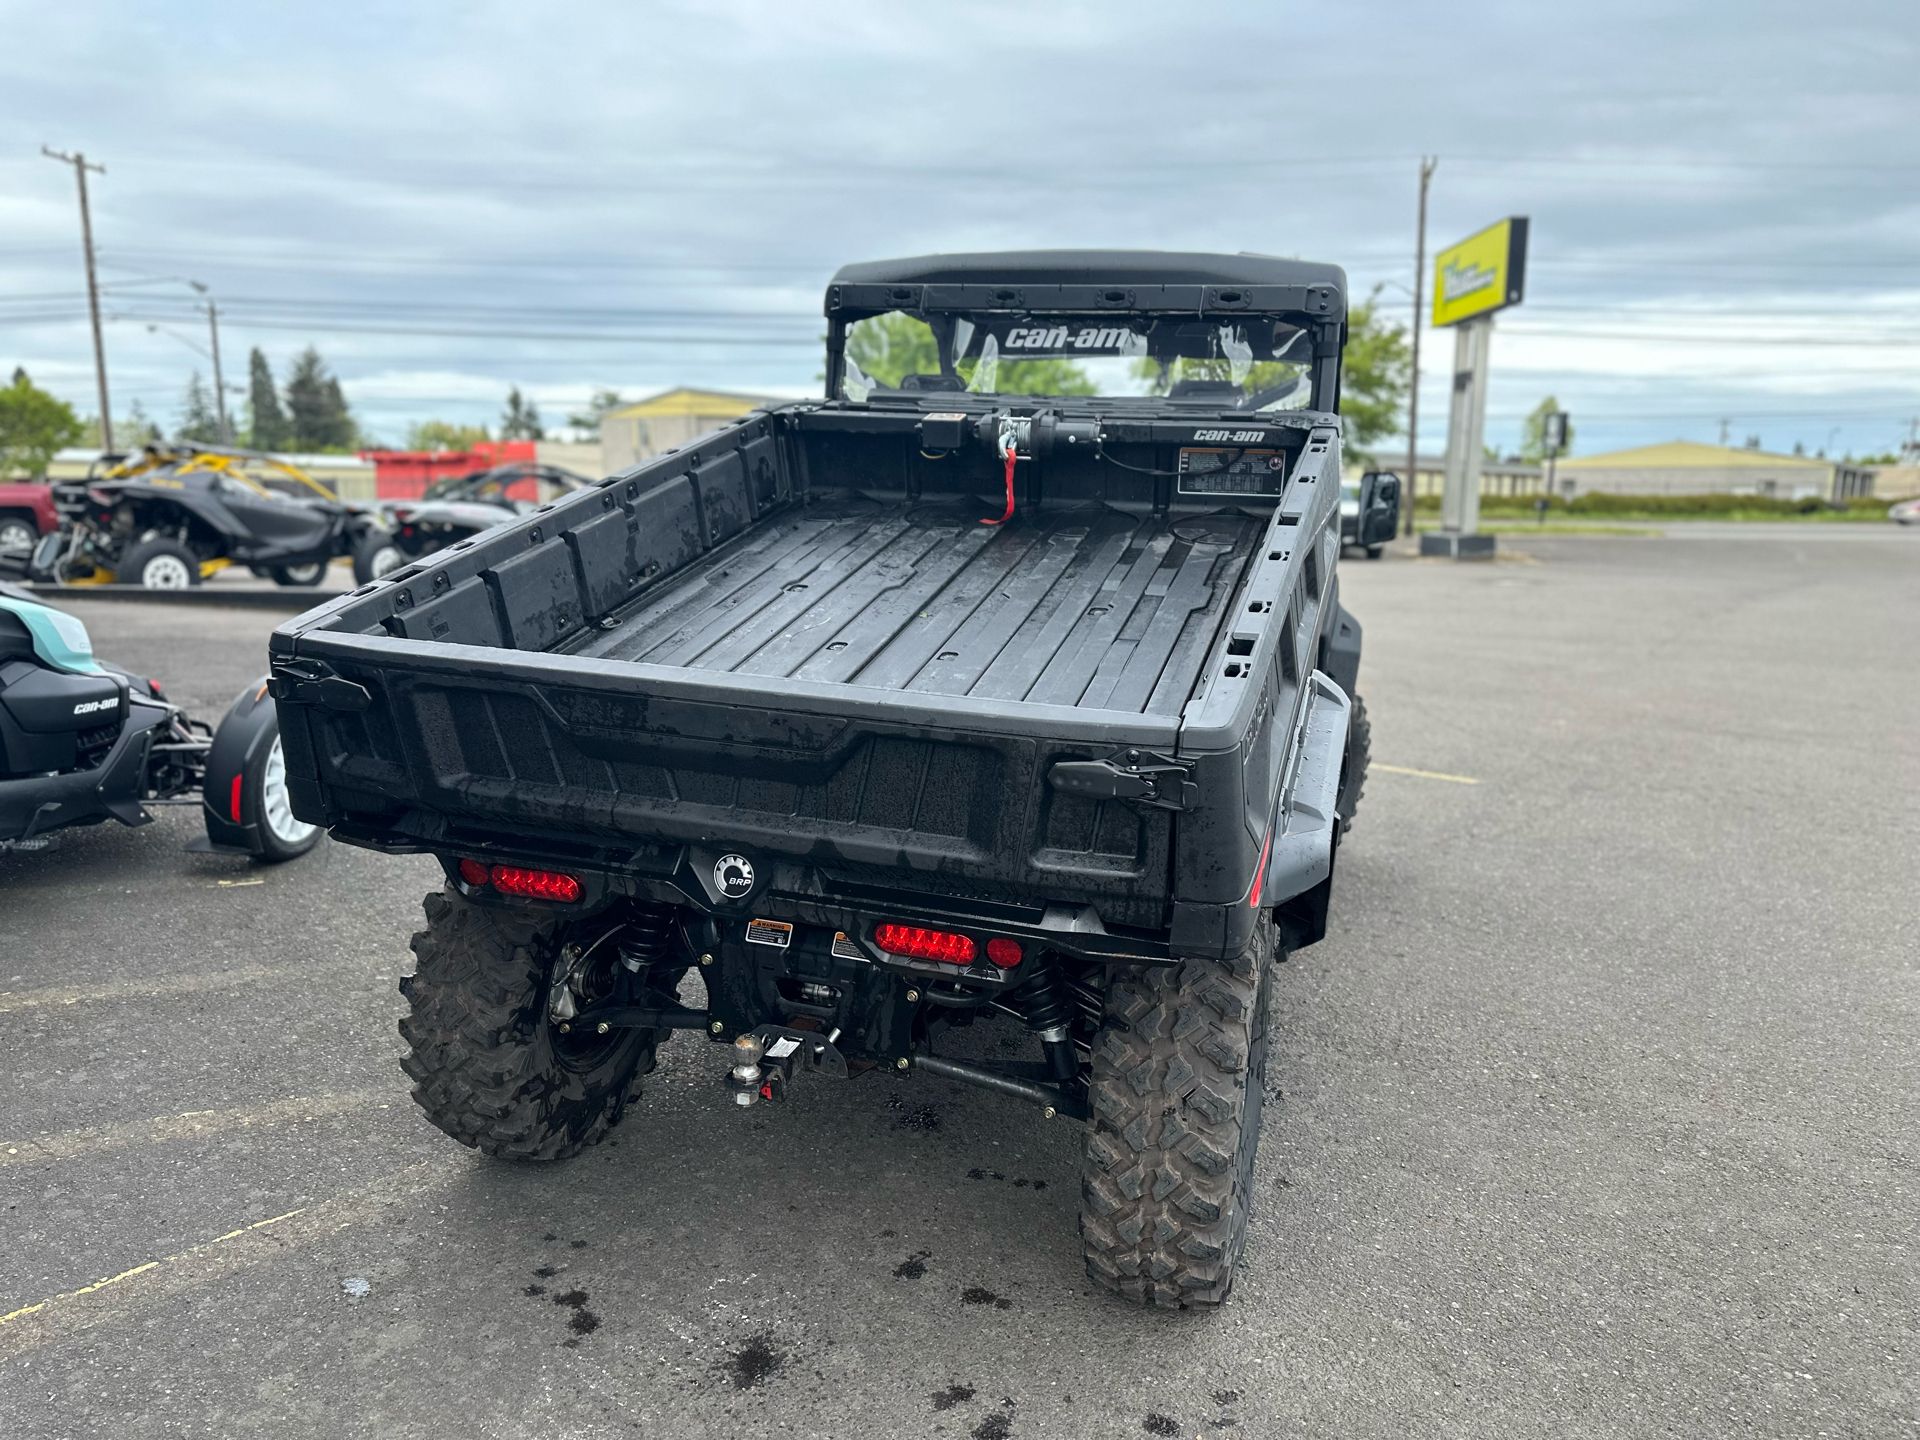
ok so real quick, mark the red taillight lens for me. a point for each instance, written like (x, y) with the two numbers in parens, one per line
(233, 805)
(909, 940)
(534, 884)
(1004, 952)
(473, 872)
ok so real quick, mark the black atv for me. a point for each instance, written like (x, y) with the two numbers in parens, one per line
(82, 741)
(460, 507)
(176, 513)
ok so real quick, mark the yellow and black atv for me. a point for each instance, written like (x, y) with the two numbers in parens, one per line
(175, 513)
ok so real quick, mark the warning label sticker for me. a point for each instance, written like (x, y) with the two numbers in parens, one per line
(769, 932)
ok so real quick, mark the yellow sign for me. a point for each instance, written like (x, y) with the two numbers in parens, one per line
(1483, 273)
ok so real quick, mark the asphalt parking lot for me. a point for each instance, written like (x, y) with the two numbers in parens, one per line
(1595, 1114)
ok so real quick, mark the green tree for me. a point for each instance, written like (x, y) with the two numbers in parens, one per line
(521, 419)
(266, 421)
(603, 403)
(890, 347)
(1533, 433)
(317, 413)
(198, 420)
(444, 435)
(33, 427)
(1374, 376)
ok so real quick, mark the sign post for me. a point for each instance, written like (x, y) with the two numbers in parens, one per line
(1471, 280)
(1553, 435)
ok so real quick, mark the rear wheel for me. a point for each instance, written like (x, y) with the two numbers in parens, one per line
(493, 1062)
(311, 574)
(159, 565)
(1179, 1077)
(376, 556)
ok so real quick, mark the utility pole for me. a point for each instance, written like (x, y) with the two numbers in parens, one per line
(1427, 164)
(80, 168)
(219, 383)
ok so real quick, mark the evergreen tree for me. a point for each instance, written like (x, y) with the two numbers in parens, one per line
(521, 419)
(317, 412)
(137, 430)
(267, 427)
(598, 408)
(33, 426)
(198, 420)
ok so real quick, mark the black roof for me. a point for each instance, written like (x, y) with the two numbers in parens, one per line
(1094, 267)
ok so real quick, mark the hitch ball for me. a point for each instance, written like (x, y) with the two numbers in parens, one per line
(745, 1078)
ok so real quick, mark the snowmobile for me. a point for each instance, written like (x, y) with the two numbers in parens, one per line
(83, 741)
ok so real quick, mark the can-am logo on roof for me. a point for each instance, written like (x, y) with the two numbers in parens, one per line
(1067, 337)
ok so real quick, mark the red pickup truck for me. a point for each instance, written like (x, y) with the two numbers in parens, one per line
(26, 513)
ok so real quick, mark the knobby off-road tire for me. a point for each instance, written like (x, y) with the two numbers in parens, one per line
(1179, 1077)
(1353, 769)
(487, 1064)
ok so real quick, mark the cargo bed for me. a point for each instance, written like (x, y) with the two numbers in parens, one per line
(1087, 607)
(797, 641)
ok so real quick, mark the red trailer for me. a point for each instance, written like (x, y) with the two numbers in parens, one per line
(405, 474)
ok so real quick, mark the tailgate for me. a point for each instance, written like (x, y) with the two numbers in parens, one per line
(423, 742)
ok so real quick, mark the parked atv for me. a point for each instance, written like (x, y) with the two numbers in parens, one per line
(460, 507)
(82, 741)
(177, 513)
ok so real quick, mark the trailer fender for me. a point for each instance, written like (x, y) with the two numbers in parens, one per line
(249, 724)
(1299, 876)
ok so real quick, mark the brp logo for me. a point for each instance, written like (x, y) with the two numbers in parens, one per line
(733, 876)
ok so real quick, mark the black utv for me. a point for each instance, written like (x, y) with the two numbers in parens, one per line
(459, 507)
(177, 513)
(1008, 681)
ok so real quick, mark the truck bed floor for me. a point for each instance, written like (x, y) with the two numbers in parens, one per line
(1090, 607)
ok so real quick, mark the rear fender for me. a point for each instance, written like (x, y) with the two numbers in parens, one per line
(1299, 875)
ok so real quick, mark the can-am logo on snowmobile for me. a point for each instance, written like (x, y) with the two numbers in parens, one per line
(733, 876)
(87, 707)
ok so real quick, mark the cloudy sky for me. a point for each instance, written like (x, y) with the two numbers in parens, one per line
(450, 199)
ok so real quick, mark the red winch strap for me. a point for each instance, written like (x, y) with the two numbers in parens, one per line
(1009, 511)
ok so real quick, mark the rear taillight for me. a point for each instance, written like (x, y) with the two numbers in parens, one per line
(1004, 952)
(909, 940)
(515, 880)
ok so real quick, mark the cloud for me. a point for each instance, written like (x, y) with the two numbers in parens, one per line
(449, 199)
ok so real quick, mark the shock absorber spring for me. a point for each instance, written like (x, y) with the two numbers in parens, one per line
(1046, 1008)
(648, 938)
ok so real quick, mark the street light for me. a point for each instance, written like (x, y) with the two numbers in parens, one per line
(213, 334)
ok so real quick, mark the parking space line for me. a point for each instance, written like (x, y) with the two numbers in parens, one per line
(189, 1125)
(151, 986)
(143, 1286)
(1423, 774)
